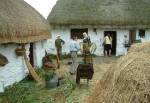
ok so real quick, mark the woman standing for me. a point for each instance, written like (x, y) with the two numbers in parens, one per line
(107, 44)
(87, 57)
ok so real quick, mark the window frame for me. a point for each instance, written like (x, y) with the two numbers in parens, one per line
(78, 32)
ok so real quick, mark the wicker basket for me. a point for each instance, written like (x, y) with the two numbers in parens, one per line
(19, 51)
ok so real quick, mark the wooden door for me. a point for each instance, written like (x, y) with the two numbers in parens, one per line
(132, 36)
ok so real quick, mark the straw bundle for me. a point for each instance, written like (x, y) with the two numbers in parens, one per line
(34, 74)
(126, 82)
(20, 23)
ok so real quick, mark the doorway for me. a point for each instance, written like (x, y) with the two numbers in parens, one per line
(31, 55)
(132, 36)
(113, 34)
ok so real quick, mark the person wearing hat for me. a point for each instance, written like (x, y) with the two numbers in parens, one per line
(58, 44)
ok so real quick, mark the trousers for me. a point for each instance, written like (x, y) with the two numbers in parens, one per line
(74, 64)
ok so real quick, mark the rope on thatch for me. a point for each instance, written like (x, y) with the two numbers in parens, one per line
(128, 81)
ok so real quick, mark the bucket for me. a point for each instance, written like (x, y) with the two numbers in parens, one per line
(52, 83)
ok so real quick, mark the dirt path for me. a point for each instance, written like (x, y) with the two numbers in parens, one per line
(80, 94)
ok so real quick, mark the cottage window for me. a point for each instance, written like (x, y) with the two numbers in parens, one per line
(78, 33)
(142, 33)
(3, 60)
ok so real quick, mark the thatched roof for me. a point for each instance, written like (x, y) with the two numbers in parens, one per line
(114, 13)
(20, 23)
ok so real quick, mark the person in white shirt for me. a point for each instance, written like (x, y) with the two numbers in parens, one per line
(107, 45)
(74, 48)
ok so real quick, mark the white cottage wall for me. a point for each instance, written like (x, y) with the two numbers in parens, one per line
(147, 36)
(96, 37)
(99, 38)
(120, 41)
(16, 69)
(65, 35)
(39, 52)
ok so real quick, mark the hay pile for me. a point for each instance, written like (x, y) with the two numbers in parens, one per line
(140, 47)
(128, 81)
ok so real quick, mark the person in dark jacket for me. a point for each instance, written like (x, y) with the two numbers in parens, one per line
(58, 44)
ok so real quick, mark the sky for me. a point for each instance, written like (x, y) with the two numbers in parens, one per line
(42, 6)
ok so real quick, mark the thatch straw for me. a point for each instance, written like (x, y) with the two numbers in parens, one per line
(20, 23)
(108, 13)
(128, 81)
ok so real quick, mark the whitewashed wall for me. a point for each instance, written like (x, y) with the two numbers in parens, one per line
(96, 37)
(39, 52)
(16, 69)
(120, 41)
(65, 35)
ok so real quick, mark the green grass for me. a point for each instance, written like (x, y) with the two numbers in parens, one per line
(27, 91)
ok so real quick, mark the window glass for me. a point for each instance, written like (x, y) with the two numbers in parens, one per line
(142, 33)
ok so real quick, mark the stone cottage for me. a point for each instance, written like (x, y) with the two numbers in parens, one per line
(120, 18)
(20, 24)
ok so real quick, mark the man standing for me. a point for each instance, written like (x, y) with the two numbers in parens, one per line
(74, 48)
(58, 44)
(126, 44)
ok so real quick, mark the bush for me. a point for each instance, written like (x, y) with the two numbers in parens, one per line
(47, 75)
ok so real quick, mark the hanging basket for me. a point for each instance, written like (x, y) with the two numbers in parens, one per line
(19, 51)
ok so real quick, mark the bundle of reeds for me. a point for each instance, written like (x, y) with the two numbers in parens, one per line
(128, 81)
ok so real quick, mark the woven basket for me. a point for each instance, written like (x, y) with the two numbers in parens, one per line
(19, 51)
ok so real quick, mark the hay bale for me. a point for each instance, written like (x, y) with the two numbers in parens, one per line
(140, 47)
(128, 81)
